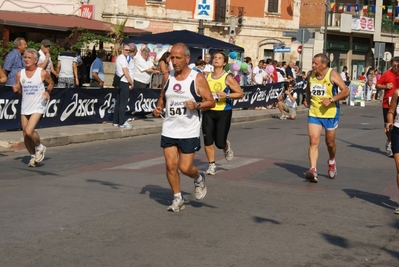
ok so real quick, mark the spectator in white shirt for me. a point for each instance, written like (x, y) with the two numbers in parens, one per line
(143, 69)
(208, 66)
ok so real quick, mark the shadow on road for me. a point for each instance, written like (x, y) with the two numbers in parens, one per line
(258, 219)
(367, 148)
(380, 200)
(112, 185)
(336, 240)
(164, 196)
(295, 169)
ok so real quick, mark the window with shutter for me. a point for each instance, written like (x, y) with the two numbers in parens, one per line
(220, 13)
(272, 6)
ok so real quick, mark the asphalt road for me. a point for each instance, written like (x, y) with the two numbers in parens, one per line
(104, 203)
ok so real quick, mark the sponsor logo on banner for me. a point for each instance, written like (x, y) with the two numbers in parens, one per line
(79, 107)
(51, 108)
(145, 104)
(204, 9)
(109, 105)
(8, 109)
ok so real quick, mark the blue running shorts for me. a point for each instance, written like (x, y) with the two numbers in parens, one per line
(326, 123)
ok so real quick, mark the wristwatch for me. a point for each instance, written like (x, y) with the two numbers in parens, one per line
(198, 106)
(331, 100)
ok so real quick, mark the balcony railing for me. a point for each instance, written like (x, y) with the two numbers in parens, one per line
(389, 25)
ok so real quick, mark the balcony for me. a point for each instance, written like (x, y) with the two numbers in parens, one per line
(389, 25)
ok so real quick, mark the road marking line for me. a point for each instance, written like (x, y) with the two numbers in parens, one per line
(141, 164)
(235, 163)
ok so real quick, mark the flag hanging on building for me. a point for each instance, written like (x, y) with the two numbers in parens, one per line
(204, 9)
(389, 11)
(372, 9)
(348, 7)
(332, 7)
(341, 8)
(365, 9)
(356, 8)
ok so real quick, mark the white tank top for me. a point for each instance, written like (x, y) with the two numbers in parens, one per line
(33, 99)
(180, 122)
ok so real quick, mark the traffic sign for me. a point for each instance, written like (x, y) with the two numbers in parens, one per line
(303, 35)
(299, 50)
(282, 49)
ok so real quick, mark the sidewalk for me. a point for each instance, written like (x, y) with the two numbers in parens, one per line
(64, 135)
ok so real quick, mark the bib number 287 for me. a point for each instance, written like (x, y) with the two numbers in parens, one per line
(318, 92)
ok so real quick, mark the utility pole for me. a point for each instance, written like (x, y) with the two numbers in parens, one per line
(325, 27)
(201, 27)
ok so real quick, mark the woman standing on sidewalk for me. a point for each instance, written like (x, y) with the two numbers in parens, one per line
(216, 121)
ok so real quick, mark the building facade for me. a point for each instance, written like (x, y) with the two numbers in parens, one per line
(360, 33)
(255, 25)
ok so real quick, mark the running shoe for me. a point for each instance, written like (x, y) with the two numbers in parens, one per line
(126, 126)
(200, 188)
(396, 211)
(177, 205)
(228, 153)
(115, 124)
(39, 156)
(311, 175)
(332, 170)
(32, 162)
(211, 169)
(389, 149)
(283, 117)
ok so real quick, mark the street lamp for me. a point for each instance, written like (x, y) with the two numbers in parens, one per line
(325, 27)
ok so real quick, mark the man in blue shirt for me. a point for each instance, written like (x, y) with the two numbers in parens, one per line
(97, 76)
(14, 61)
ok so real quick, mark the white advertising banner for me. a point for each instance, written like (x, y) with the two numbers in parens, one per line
(363, 24)
(204, 9)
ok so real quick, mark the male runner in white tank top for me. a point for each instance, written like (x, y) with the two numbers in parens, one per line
(29, 83)
(184, 94)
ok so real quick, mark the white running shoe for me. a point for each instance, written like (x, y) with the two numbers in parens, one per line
(389, 149)
(332, 170)
(177, 205)
(228, 153)
(126, 126)
(39, 156)
(200, 188)
(211, 169)
(32, 162)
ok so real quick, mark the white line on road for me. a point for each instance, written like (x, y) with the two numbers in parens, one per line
(235, 163)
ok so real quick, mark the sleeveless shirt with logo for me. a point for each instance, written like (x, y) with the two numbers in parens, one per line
(322, 88)
(180, 122)
(220, 85)
(33, 99)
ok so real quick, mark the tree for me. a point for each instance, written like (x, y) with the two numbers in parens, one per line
(117, 33)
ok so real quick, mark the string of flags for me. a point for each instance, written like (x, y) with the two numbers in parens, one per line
(367, 9)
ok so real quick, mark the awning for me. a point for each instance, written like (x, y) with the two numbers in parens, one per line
(58, 22)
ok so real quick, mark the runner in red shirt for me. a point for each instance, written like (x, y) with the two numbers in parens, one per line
(388, 82)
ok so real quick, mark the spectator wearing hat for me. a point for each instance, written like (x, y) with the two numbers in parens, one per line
(14, 61)
(97, 76)
(45, 58)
